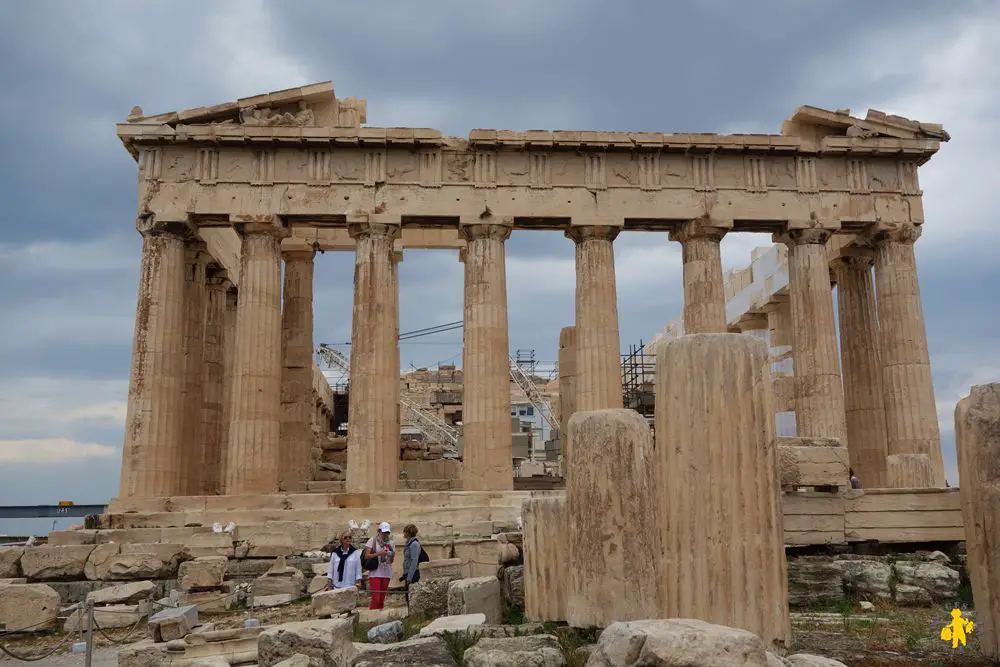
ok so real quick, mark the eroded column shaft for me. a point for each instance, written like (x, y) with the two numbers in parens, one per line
(296, 372)
(254, 453)
(152, 455)
(910, 410)
(613, 464)
(213, 382)
(567, 389)
(194, 354)
(598, 347)
(546, 576)
(486, 464)
(704, 293)
(977, 439)
(228, 355)
(819, 394)
(859, 350)
(373, 422)
(723, 558)
(779, 334)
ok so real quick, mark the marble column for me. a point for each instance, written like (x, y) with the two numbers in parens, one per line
(297, 360)
(859, 343)
(254, 453)
(196, 260)
(779, 337)
(819, 395)
(567, 389)
(152, 453)
(228, 352)
(396, 257)
(213, 381)
(908, 389)
(598, 347)
(486, 461)
(704, 294)
(373, 412)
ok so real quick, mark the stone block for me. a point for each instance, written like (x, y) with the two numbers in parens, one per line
(111, 616)
(541, 650)
(318, 584)
(10, 562)
(808, 660)
(500, 631)
(72, 537)
(938, 581)
(812, 462)
(866, 579)
(334, 602)
(444, 568)
(270, 545)
(386, 633)
(419, 652)
(201, 573)
(173, 623)
(480, 595)
(272, 600)
(136, 566)
(381, 615)
(13, 580)
(297, 660)
(123, 593)
(677, 642)
(327, 643)
(280, 579)
(452, 624)
(209, 602)
(209, 544)
(811, 579)
(31, 607)
(55, 563)
(545, 573)
(100, 559)
(172, 554)
(429, 597)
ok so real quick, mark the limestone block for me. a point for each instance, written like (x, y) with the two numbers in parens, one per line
(10, 562)
(32, 607)
(381, 615)
(500, 631)
(512, 585)
(940, 582)
(723, 543)
(419, 652)
(280, 579)
(327, 643)
(334, 602)
(542, 650)
(977, 438)
(429, 597)
(111, 616)
(612, 479)
(72, 537)
(14, 580)
(172, 554)
(812, 462)
(545, 572)
(866, 579)
(808, 660)
(444, 568)
(204, 572)
(173, 623)
(210, 602)
(122, 593)
(813, 579)
(270, 545)
(297, 660)
(909, 471)
(480, 595)
(55, 563)
(386, 633)
(136, 566)
(452, 624)
(318, 584)
(99, 561)
(209, 544)
(677, 642)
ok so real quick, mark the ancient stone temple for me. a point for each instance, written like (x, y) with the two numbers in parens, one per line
(236, 199)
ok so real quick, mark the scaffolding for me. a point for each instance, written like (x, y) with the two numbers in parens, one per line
(525, 359)
(638, 379)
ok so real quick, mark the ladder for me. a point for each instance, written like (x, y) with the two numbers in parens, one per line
(527, 385)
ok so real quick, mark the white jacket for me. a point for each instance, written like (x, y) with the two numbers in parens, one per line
(352, 569)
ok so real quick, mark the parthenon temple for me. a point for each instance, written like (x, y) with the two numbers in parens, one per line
(236, 199)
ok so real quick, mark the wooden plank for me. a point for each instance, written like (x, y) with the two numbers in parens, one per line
(892, 535)
(895, 500)
(812, 503)
(938, 519)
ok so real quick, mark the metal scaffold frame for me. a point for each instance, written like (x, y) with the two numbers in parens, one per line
(638, 379)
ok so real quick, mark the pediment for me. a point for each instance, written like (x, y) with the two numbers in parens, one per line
(314, 105)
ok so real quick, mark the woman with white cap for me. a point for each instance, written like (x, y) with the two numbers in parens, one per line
(381, 548)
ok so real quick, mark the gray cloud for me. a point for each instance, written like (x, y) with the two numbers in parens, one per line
(69, 257)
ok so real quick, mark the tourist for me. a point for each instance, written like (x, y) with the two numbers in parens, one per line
(855, 482)
(345, 563)
(413, 555)
(381, 548)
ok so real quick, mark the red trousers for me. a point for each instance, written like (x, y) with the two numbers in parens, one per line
(378, 586)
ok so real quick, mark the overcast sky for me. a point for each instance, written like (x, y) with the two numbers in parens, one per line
(69, 252)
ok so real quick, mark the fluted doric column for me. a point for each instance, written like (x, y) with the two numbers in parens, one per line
(152, 455)
(598, 348)
(196, 260)
(373, 412)
(396, 257)
(779, 338)
(908, 389)
(213, 381)
(254, 452)
(297, 359)
(486, 463)
(859, 343)
(704, 293)
(819, 395)
(567, 388)
(228, 353)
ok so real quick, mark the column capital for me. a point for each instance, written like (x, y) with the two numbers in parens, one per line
(812, 236)
(248, 225)
(496, 232)
(893, 232)
(150, 225)
(298, 250)
(397, 256)
(712, 230)
(363, 229)
(852, 262)
(581, 233)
